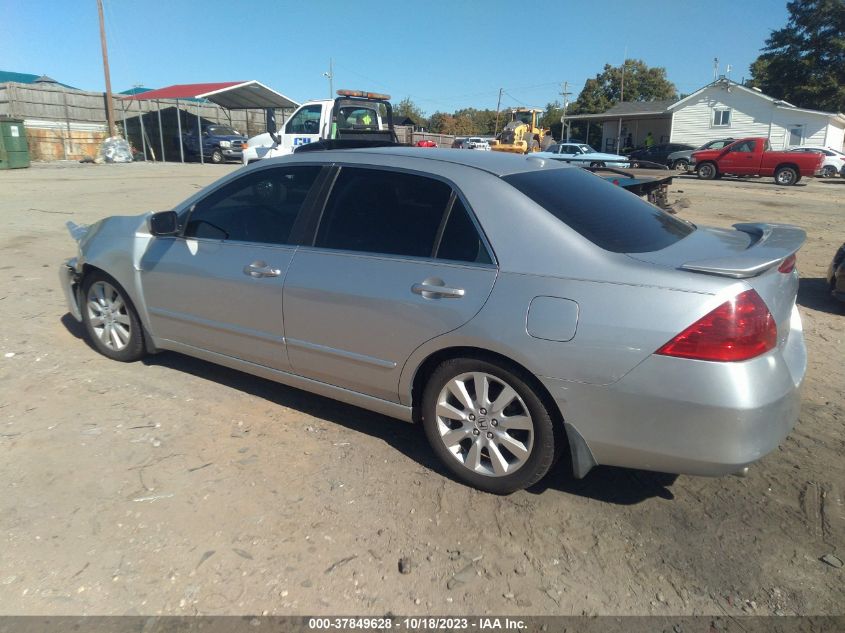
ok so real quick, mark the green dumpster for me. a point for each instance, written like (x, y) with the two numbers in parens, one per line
(14, 151)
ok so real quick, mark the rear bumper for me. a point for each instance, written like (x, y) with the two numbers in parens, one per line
(692, 417)
(69, 280)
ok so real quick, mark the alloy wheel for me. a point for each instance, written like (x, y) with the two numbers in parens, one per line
(484, 424)
(109, 316)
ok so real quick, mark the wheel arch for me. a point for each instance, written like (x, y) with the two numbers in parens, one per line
(86, 270)
(430, 363)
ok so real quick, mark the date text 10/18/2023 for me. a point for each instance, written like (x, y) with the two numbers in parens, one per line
(416, 623)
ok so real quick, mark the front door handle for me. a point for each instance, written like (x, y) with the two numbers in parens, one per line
(430, 291)
(261, 269)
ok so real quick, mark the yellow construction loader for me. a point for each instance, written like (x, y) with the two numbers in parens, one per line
(522, 134)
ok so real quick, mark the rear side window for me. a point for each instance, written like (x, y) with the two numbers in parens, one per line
(375, 211)
(610, 217)
(460, 240)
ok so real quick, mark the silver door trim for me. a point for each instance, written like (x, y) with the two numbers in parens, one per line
(355, 398)
(216, 325)
(333, 351)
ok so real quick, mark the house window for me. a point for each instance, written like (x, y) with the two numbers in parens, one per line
(796, 135)
(721, 118)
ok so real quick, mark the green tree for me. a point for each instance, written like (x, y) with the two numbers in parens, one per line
(804, 62)
(407, 108)
(641, 84)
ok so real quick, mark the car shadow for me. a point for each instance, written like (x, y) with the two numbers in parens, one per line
(814, 293)
(762, 180)
(618, 486)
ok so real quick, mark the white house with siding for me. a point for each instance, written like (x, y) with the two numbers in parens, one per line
(721, 109)
(726, 108)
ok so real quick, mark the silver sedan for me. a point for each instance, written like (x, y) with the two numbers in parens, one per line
(518, 308)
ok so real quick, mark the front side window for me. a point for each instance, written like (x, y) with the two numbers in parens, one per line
(384, 212)
(260, 207)
(744, 147)
(721, 118)
(305, 121)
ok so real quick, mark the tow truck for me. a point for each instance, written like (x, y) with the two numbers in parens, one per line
(353, 115)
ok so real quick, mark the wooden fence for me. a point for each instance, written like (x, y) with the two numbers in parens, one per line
(62, 123)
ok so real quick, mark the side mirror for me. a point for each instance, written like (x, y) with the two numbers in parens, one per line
(164, 223)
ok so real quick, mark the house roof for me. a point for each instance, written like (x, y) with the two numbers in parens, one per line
(778, 103)
(233, 95)
(630, 109)
(26, 78)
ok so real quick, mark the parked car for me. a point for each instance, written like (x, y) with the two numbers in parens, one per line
(658, 154)
(754, 157)
(219, 143)
(475, 142)
(832, 163)
(459, 143)
(836, 274)
(583, 154)
(515, 307)
(425, 143)
(681, 160)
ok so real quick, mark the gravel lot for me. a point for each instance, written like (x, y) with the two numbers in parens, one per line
(173, 486)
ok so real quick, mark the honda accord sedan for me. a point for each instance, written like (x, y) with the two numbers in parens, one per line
(517, 308)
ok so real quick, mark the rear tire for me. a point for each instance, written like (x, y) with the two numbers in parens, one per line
(786, 176)
(597, 164)
(500, 441)
(829, 171)
(110, 319)
(707, 171)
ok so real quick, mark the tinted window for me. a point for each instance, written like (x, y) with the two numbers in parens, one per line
(259, 207)
(460, 240)
(386, 212)
(605, 214)
(745, 146)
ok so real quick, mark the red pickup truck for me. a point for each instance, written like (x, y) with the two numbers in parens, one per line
(754, 157)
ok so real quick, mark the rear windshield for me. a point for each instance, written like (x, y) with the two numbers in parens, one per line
(607, 215)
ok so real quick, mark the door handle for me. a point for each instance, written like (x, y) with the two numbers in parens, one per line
(261, 269)
(429, 291)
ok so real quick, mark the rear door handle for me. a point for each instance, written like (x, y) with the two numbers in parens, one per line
(261, 269)
(429, 291)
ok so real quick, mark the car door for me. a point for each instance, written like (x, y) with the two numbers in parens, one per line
(302, 128)
(739, 159)
(218, 285)
(396, 261)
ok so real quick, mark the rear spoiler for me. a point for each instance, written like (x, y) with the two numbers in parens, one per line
(770, 245)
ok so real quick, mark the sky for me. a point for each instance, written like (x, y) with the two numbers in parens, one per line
(444, 55)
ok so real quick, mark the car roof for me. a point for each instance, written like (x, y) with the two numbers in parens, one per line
(497, 163)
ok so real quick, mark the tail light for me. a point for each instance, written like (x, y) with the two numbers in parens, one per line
(737, 330)
(787, 265)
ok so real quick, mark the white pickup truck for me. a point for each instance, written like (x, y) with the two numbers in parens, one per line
(353, 114)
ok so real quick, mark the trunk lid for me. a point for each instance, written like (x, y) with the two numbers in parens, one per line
(751, 252)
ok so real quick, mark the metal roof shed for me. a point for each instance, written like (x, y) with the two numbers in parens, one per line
(231, 95)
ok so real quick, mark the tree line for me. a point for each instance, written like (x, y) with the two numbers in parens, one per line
(802, 63)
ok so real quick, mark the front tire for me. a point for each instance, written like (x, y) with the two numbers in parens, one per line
(110, 319)
(597, 164)
(487, 425)
(216, 157)
(682, 164)
(707, 171)
(786, 176)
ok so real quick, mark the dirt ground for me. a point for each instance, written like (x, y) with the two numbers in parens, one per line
(173, 486)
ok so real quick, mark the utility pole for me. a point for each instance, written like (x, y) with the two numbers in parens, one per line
(109, 104)
(330, 76)
(498, 105)
(565, 94)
